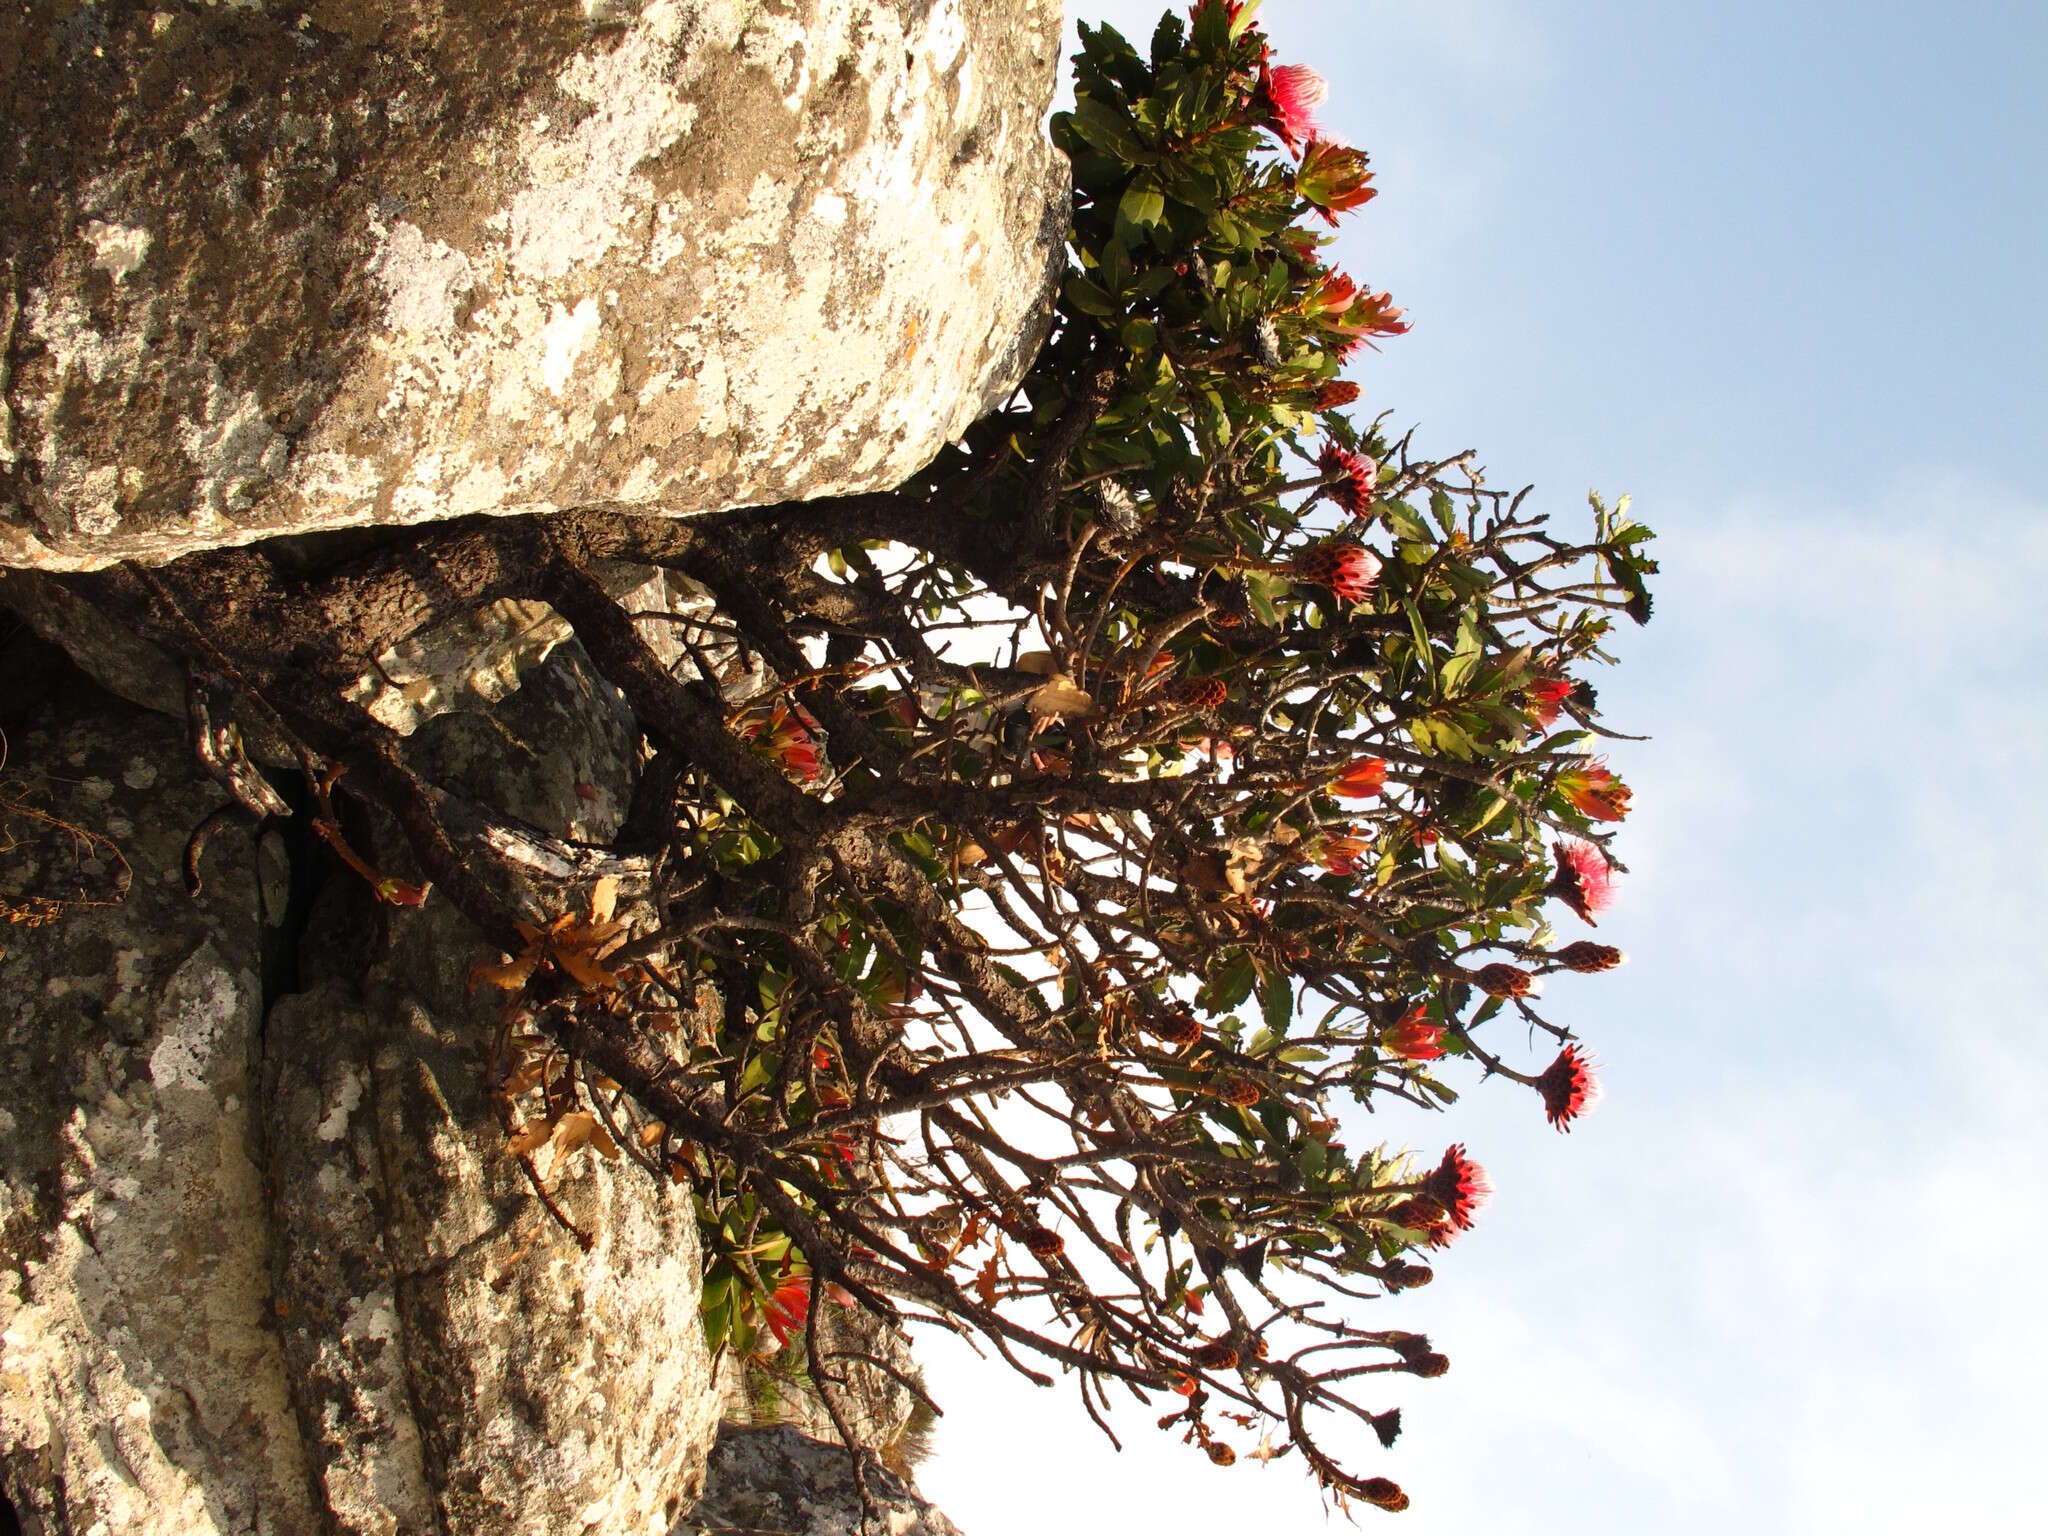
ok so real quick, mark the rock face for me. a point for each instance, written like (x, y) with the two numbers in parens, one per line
(781, 1481)
(282, 267)
(140, 1382)
(272, 1273)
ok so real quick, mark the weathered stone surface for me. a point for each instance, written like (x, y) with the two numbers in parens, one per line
(279, 1277)
(875, 1402)
(780, 1481)
(277, 267)
(142, 1389)
(480, 660)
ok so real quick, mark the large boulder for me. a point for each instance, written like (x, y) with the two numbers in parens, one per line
(277, 267)
(142, 1389)
(264, 1264)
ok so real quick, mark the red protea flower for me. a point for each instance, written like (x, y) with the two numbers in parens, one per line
(788, 1309)
(1568, 1087)
(1589, 958)
(1345, 854)
(1375, 314)
(1292, 93)
(782, 739)
(1502, 980)
(1354, 491)
(1337, 393)
(1203, 693)
(1583, 882)
(1332, 295)
(1364, 779)
(1413, 1035)
(1333, 179)
(1460, 1186)
(1545, 697)
(1348, 570)
(1595, 792)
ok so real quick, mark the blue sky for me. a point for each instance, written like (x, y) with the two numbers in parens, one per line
(1777, 271)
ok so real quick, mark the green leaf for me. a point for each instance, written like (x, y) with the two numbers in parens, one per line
(1088, 297)
(1445, 513)
(1276, 1001)
(1142, 207)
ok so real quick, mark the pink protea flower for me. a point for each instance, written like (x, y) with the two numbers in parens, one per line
(1595, 792)
(1364, 779)
(1568, 1087)
(1355, 491)
(1333, 179)
(1544, 699)
(1413, 1036)
(1460, 1186)
(1348, 570)
(1345, 855)
(1292, 93)
(1583, 882)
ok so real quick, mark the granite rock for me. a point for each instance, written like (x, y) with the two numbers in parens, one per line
(275, 268)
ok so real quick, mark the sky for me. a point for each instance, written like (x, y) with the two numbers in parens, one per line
(1774, 269)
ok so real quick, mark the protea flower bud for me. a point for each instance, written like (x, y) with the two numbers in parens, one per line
(1502, 980)
(1176, 1029)
(1119, 507)
(1589, 958)
(1266, 338)
(1348, 570)
(1354, 492)
(1337, 394)
(1383, 1493)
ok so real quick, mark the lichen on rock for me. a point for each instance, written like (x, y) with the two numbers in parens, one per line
(282, 270)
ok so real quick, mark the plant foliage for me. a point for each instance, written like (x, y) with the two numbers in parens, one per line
(1032, 863)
